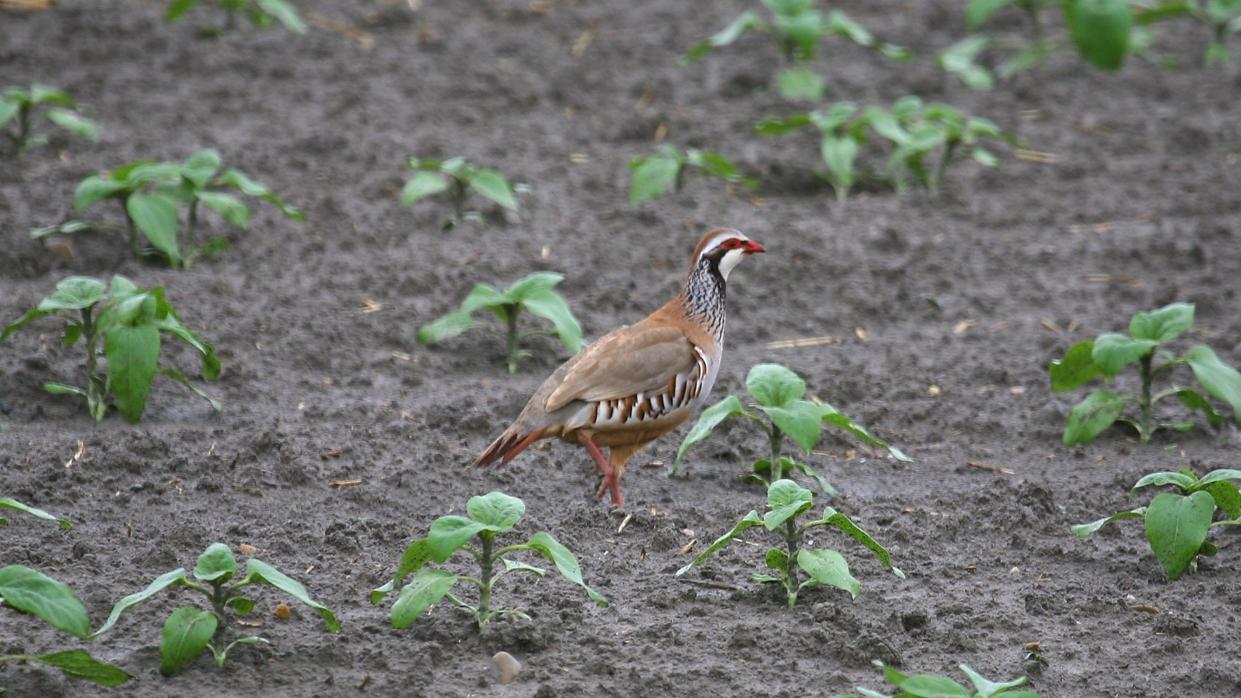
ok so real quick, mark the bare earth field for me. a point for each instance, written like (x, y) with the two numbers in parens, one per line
(1140, 208)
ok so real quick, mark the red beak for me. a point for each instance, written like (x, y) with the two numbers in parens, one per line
(751, 247)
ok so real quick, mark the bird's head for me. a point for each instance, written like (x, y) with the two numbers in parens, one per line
(724, 248)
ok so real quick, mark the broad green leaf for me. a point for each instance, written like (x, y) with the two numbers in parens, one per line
(987, 688)
(133, 356)
(789, 465)
(800, 32)
(750, 520)
(979, 11)
(184, 380)
(960, 59)
(73, 293)
(799, 419)
(1216, 377)
(258, 571)
(167, 321)
(176, 8)
(785, 500)
(566, 564)
(216, 564)
(73, 332)
(9, 503)
(285, 13)
(413, 559)
(1168, 322)
(426, 589)
(839, 152)
(497, 510)
(1195, 401)
(156, 216)
(136, 174)
(62, 389)
(1112, 352)
(776, 559)
(422, 185)
(26, 318)
(843, 25)
(828, 567)
(708, 421)
(838, 419)
(186, 634)
(834, 518)
(521, 289)
(1101, 30)
(931, 686)
(801, 83)
(1092, 417)
(8, 110)
(160, 583)
(518, 566)
(1176, 527)
(445, 327)
(33, 592)
(249, 187)
(78, 664)
(45, 94)
(241, 605)
(74, 123)
(1219, 476)
(1159, 479)
(774, 385)
(744, 22)
(652, 177)
(772, 126)
(200, 167)
(228, 206)
(1226, 497)
(448, 533)
(494, 186)
(550, 305)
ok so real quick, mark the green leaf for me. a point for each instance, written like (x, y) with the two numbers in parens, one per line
(445, 327)
(494, 186)
(413, 559)
(8, 110)
(838, 419)
(518, 566)
(186, 634)
(828, 567)
(9, 503)
(448, 533)
(258, 571)
(240, 605)
(708, 421)
(1101, 30)
(799, 419)
(95, 188)
(931, 686)
(156, 216)
(744, 22)
(1159, 479)
(26, 318)
(427, 588)
(839, 152)
(249, 187)
(184, 380)
(62, 389)
(776, 559)
(1092, 417)
(526, 286)
(549, 305)
(1112, 352)
(33, 592)
(73, 293)
(652, 177)
(1217, 378)
(74, 123)
(133, 356)
(1161, 325)
(216, 564)
(78, 664)
(168, 321)
(960, 59)
(785, 500)
(774, 385)
(834, 518)
(160, 583)
(1219, 476)
(200, 167)
(285, 13)
(772, 126)
(499, 511)
(987, 688)
(1226, 497)
(566, 564)
(228, 206)
(45, 94)
(222, 655)
(176, 8)
(422, 185)
(801, 83)
(979, 11)
(1195, 401)
(1176, 527)
(750, 520)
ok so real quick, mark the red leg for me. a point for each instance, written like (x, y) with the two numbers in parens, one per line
(602, 467)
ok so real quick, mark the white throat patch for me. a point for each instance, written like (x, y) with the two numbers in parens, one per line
(730, 260)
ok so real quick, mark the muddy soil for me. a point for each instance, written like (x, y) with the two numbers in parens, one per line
(971, 292)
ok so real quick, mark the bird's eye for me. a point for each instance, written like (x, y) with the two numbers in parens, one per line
(731, 244)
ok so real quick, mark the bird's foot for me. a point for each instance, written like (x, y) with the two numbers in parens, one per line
(611, 484)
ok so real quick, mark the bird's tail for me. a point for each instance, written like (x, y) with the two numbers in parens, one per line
(505, 448)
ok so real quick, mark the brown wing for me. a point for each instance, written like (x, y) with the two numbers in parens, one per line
(625, 362)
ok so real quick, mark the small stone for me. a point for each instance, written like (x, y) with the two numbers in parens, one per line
(247, 549)
(507, 666)
(282, 611)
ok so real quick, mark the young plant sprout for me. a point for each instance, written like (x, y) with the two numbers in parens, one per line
(191, 630)
(1177, 524)
(1108, 354)
(1222, 17)
(798, 26)
(21, 106)
(260, 12)
(786, 501)
(657, 175)
(778, 395)
(125, 324)
(942, 686)
(487, 516)
(458, 177)
(151, 193)
(532, 293)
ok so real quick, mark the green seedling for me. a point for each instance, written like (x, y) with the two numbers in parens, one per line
(798, 26)
(262, 13)
(778, 395)
(21, 105)
(487, 516)
(1223, 17)
(152, 193)
(1108, 354)
(458, 177)
(922, 140)
(912, 686)
(1177, 524)
(786, 501)
(125, 324)
(191, 630)
(664, 172)
(30, 591)
(532, 293)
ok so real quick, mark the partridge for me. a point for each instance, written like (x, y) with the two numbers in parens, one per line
(639, 381)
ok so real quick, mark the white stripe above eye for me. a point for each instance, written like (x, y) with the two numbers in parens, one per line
(715, 242)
